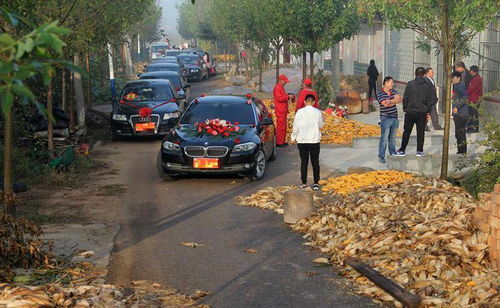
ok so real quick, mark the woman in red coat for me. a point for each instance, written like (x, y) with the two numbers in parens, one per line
(307, 90)
(474, 93)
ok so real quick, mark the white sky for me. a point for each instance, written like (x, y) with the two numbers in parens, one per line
(169, 19)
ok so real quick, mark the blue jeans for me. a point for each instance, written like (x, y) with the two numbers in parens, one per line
(389, 129)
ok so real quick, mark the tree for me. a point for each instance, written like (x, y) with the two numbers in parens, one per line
(451, 24)
(26, 51)
(321, 24)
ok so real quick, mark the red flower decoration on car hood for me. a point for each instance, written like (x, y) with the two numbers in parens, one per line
(145, 112)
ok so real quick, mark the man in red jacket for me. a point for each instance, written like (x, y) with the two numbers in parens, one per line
(281, 108)
(307, 90)
(474, 93)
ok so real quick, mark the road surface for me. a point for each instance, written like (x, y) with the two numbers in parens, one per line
(156, 216)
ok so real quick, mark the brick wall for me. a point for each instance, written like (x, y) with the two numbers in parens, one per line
(487, 217)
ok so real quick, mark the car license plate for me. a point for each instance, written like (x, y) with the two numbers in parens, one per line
(141, 127)
(206, 163)
(194, 71)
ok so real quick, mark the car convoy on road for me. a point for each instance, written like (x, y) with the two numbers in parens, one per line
(209, 134)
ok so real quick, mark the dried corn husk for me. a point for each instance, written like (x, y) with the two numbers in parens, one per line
(419, 232)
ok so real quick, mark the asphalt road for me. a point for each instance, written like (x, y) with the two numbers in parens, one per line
(156, 216)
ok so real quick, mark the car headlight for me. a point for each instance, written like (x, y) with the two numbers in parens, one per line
(244, 147)
(167, 145)
(167, 116)
(119, 117)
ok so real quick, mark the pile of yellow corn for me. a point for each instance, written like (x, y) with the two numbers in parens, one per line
(349, 183)
(335, 130)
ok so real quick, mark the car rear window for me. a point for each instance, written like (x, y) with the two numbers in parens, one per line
(140, 93)
(169, 68)
(174, 80)
(188, 59)
(234, 112)
(172, 52)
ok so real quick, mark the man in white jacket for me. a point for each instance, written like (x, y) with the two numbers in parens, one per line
(307, 133)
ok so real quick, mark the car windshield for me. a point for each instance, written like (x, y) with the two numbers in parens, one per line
(188, 60)
(234, 112)
(159, 49)
(169, 68)
(140, 93)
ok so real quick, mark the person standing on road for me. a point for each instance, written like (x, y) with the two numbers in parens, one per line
(281, 98)
(388, 98)
(372, 73)
(307, 132)
(460, 110)
(304, 92)
(464, 72)
(474, 92)
(429, 77)
(417, 100)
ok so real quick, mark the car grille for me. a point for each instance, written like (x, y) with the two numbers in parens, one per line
(198, 151)
(216, 151)
(194, 151)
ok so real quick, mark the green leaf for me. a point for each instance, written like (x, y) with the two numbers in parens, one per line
(29, 44)
(6, 39)
(20, 50)
(60, 30)
(23, 90)
(7, 101)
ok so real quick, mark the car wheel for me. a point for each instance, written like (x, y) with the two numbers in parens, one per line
(161, 171)
(273, 154)
(259, 169)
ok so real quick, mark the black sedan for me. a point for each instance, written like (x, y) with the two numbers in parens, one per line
(145, 108)
(196, 67)
(167, 66)
(183, 89)
(244, 150)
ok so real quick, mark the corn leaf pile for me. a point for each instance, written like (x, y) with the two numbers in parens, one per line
(420, 233)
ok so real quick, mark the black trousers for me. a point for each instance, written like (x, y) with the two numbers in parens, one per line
(473, 122)
(434, 117)
(372, 86)
(460, 133)
(307, 150)
(414, 118)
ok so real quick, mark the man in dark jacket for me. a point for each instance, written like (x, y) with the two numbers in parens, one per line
(417, 101)
(466, 76)
(429, 78)
(460, 112)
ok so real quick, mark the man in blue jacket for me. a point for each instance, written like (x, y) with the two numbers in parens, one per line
(417, 101)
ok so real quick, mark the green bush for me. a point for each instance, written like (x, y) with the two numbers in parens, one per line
(485, 172)
(322, 84)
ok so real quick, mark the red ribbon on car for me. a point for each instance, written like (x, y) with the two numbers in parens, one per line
(145, 112)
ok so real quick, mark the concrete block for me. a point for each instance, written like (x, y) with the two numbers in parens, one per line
(298, 204)
(428, 165)
(358, 170)
(372, 142)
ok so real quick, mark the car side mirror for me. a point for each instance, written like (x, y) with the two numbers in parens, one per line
(267, 121)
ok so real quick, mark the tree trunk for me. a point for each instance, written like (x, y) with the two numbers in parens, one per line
(250, 63)
(226, 50)
(311, 63)
(286, 52)
(304, 65)
(80, 101)
(63, 89)
(447, 58)
(247, 70)
(8, 190)
(278, 47)
(50, 121)
(89, 81)
(71, 101)
(335, 69)
(129, 69)
(260, 69)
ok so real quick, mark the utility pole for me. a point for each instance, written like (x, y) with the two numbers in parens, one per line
(111, 72)
(139, 47)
